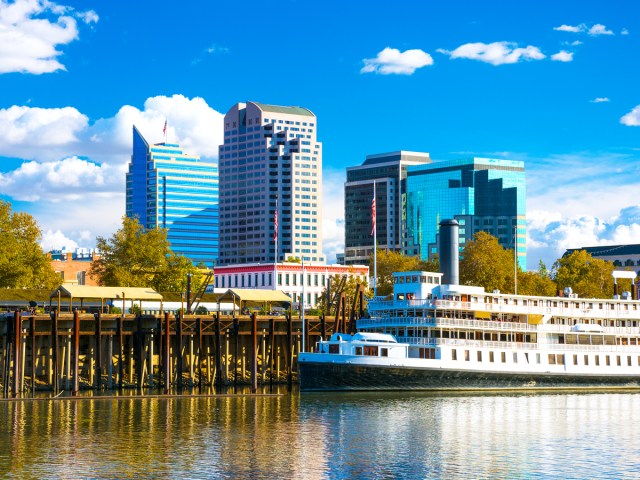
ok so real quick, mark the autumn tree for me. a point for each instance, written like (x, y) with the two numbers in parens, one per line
(135, 257)
(23, 264)
(390, 262)
(536, 283)
(487, 264)
(587, 276)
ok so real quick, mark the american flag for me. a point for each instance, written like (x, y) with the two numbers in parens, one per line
(373, 215)
(275, 226)
(164, 130)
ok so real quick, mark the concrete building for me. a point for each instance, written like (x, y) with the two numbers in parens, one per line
(270, 161)
(289, 278)
(389, 172)
(623, 257)
(481, 194)
(170, 189)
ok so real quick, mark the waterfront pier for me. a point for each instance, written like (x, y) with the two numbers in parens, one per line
(70, 352)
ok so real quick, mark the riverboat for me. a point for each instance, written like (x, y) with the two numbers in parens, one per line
(438, 335)
(435, 336)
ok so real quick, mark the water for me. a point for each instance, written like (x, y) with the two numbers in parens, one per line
(315, 436)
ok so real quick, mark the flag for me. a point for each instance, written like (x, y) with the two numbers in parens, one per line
(164, 130)
(373, 215)
(275, 226)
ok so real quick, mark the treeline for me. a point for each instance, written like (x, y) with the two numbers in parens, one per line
(486, 263)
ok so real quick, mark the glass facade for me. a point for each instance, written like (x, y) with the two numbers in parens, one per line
(169, 189)
(482, 194)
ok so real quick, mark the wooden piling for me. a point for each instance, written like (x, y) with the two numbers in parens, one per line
(139, 352)
(272, 328)
(98, 381)
(199, 334)
(32, 334)
(236, 351)
(167, 352)
(179, 319)
(254, 352)
(76, 352)
(219, 380)
(289, 348)
(17, 350)
(54, 348)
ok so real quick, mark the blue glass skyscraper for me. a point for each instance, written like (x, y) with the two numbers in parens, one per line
(482, 194)
(169, 189)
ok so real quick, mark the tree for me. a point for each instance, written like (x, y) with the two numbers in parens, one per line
(587, 276)
(487, 264)
(135, 257)
(390, 262)
(23, 264)
(535, 283)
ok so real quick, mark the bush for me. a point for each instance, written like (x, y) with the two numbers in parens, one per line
(202, 310)
(115, 310)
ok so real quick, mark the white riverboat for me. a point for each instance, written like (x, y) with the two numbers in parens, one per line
(435, 336)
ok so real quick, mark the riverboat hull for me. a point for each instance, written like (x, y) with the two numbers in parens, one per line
(332, 376)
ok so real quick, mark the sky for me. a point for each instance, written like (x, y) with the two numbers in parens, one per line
(553, 84)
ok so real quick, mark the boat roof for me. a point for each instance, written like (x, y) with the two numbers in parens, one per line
(374, 337)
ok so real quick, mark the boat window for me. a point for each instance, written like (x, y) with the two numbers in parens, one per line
(414, 279)
(597, 360)
(629, 361)
(454, 355)
(334, 348)
(504, 357)
(619, 363)
(552, 359)
(467, 356)
(371, 351)
(479, 355)
(384, 352)
(608, 360)
(515, 357)
(491, 356)
(575, 359)
(586, 359)
(423, 279)
(430, 279)
(358, 350)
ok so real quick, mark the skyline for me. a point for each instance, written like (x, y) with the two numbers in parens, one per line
(553, 87)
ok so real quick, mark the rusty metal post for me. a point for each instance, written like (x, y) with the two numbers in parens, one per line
(219, 378)
(54, 341)
(254, 352)
(76, 351)
(17, 349)
(32, 334)
(98, 382)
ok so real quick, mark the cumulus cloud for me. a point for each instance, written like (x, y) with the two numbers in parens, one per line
(333, 213)
(392, 60)
(56, 240)
(31, 31)
(600, 100)
(562, 56)
(496, 53)
(69, 159)
(624, 32)
(594, 30)
(632, 119)
(550, 234)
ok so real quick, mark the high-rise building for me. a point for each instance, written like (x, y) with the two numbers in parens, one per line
(389, 172)
(482, 194)
(169, 189)
(270, 160)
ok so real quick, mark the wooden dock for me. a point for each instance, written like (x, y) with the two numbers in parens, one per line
(78, 351)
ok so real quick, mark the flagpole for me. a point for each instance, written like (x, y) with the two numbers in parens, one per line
(304, 333)
(275, 238)
(375, 242)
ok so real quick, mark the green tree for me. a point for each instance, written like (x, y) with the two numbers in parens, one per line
(23, 264)
(536, 283)
(135, 257)
(587, 276)
(390, 262)
(487, 264)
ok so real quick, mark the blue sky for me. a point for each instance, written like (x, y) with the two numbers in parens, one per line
(554, 84)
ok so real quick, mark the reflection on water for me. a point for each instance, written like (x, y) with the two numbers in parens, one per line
(333, 435)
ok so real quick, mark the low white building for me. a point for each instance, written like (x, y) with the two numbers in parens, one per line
(289, 278)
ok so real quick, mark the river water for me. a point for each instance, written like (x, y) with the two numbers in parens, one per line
(317, 436)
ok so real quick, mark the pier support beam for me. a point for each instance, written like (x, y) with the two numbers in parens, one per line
(76, 352)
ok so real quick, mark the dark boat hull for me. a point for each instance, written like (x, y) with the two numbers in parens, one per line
(316, 376)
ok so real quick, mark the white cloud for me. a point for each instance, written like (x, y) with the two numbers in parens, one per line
(624, 31)
(571, 28)
(56, 240)
(600, 100)
(594, 30)
(30, 31)
(562, 56)
(333, 213)
(632, 119)
(599, 29)
(392, 60)
(550, 234)
(496, 53)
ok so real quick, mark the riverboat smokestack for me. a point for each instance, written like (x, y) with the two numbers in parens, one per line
(449, 262)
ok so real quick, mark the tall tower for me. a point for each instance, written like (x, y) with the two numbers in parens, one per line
(169, 189)
(270, 160)
(389, 172)
(482, 194)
